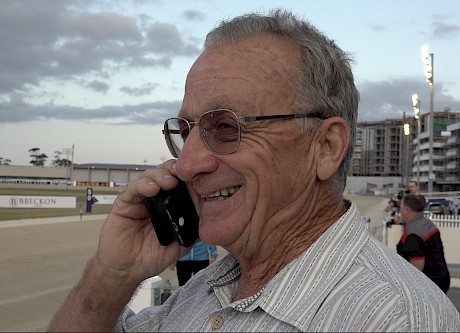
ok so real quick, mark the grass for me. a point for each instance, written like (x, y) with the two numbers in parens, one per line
(79, 193)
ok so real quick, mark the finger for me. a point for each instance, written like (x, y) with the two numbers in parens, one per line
(150, 183)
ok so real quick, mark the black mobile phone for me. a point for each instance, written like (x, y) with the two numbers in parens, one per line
(173, 216)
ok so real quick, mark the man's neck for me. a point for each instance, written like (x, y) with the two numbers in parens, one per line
(281, 248)
(413, 217)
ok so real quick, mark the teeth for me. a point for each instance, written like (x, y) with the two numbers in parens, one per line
(222, 194)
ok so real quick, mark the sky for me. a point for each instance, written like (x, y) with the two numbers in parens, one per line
(104, 75)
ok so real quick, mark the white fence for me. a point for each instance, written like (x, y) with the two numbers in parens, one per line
(449, 227)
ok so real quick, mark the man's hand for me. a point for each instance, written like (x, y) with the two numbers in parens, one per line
(128, 244)
(128, 253)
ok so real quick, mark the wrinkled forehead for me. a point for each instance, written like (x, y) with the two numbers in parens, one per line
(254, 72)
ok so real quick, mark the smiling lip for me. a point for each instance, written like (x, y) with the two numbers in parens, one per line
(222, 194)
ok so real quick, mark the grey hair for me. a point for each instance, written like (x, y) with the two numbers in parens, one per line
(325, 83)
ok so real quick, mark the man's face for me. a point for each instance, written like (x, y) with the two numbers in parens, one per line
(413, 188)
(262, 185)
(404, 211)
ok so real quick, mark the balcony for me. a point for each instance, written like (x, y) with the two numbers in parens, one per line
(451, 165)
(452, 153)
(423, 168)
(425, 146)
(424, 157)
(438, 168)
(439, 157)
(453, 140)
(423, 179)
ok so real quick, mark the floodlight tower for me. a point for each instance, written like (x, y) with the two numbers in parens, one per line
(416, 107)
(428, 65)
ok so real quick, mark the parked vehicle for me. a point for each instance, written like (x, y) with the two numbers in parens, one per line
(435, 208)
(445, 205)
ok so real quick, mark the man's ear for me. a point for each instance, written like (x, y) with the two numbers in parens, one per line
(332, 146)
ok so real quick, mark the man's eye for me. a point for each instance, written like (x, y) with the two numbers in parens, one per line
(225, 125)
(184, 132)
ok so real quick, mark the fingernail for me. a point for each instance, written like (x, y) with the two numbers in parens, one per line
(173, 166)
(167, 177)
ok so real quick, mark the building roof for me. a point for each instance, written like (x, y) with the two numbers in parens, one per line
(110, 166)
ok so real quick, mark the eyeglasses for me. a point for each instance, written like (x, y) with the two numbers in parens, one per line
(220, 129)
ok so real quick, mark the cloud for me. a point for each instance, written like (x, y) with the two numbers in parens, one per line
(379, 100)
(59, 39)
(17, 110)
(164, 38)
(194, 15)
(139, 91)
(102, 27)
(378, 27)
(98, 86)
(388, 99)
(87, 44)
(442, 30)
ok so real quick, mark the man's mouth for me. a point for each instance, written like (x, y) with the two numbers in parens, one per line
(222, 194)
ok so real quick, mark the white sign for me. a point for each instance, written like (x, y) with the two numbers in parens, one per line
(446, 133)
(23, 201)
(104, 199)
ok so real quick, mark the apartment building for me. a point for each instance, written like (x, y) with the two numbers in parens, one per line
(385, 148)
(379, 148)
(450, 176)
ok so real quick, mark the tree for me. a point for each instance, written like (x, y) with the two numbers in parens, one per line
(60, 162)
(38, 159)
(4, 161)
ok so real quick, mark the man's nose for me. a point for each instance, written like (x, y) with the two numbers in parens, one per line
(195, 157)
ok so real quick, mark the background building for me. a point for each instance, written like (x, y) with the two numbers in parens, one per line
(91, 174)
(383, 149)
(449, 179)
(379, 149)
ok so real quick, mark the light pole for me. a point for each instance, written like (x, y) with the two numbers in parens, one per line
(416, 107)
(407, 133)
(68, 151)
(428, 64)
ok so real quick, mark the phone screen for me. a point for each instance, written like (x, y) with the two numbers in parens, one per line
(173, 216)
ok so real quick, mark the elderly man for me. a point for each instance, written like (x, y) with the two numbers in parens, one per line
(267, 127)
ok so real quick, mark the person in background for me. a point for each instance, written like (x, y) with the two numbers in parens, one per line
(198, 258)
(412, 188)
(263, 140)
(421, 243)
(392, 210)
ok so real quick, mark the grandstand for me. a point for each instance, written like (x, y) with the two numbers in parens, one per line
(89, 174)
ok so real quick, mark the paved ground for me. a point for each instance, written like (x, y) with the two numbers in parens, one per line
(39, 265)
(41, 259)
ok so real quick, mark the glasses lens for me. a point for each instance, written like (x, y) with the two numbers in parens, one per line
(220, 131)
(176, 131)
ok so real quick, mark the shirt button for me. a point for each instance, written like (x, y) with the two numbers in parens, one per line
(217, 322)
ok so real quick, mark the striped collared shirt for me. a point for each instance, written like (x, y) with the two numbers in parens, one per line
(346, 281)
